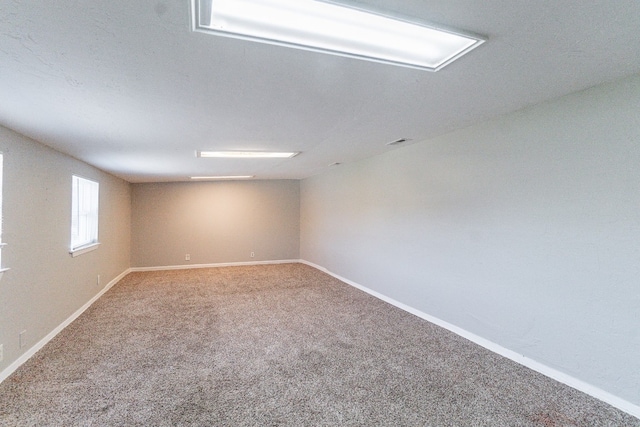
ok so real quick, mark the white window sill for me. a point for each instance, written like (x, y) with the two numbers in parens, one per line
(84, 249)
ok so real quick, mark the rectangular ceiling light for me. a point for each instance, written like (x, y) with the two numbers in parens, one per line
(248, 154)
(223, 177)
(325, 26)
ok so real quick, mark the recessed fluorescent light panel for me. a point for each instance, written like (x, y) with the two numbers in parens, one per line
(328, 27)
(222, 177)
(248, 154)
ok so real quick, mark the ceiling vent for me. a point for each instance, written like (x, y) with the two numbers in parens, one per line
(398, 141)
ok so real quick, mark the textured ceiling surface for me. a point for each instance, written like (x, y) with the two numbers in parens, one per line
(128, 87)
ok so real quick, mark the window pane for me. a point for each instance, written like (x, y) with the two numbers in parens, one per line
(1, 163)
(84, 212)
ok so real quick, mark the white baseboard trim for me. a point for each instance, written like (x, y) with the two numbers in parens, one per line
(33, 350)
(221, 264)
(559, 376)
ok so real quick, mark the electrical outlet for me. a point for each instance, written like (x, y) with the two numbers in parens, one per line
(98, 280)
(22, 338)
(187, 257)
(253, 254)
(1, 352)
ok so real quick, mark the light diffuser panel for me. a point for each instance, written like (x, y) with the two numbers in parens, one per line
(333, 28)
(221, 177)
(248, 154)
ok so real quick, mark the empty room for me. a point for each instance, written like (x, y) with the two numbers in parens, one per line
(314, 212)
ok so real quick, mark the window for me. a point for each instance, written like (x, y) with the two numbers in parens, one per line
(84, 216)
(1, 244)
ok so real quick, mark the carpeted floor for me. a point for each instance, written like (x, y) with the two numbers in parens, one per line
(274, 345)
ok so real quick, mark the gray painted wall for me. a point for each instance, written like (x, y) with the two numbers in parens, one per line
(215, 222)
(45, 284)
(524, 230)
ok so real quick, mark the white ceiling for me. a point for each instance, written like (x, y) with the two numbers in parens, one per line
(126, 86)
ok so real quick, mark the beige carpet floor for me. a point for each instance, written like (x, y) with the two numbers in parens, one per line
(274, 345)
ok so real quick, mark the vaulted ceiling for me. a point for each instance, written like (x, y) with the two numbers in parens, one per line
(128, 87)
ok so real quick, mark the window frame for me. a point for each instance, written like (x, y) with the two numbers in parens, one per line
(2, 244)
(85, 215)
